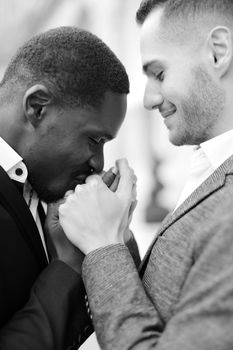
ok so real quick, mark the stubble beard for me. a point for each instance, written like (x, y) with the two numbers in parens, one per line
(199, 113)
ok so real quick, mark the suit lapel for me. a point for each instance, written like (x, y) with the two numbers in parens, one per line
(210, 185)
(14, 202)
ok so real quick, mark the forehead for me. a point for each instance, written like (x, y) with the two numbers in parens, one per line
(160, 43)
(151, 42)
(111, 113)
(104, 120)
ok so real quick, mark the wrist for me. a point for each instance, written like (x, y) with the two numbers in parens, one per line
(102, 245)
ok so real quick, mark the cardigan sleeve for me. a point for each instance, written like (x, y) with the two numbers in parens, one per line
(125, 318)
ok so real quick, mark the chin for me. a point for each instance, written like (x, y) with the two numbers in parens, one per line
(176, 140)
(47, 195)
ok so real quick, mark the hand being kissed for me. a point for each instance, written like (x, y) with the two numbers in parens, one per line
(59, 246)
(94, 216)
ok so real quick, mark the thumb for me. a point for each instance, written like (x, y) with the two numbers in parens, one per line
(52, 210)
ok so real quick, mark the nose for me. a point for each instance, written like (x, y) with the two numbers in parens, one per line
(96, 162)
(153, 98)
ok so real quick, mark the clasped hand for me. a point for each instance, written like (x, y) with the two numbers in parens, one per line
(93, 216)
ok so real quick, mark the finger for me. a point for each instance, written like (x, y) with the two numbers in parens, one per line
(126, 182)
(68, 193)
(132, 208)
(134, 177)
(120, 162)
(115, 183)
(78, 189)
(109, 176)
(134, 193)
(52, 210)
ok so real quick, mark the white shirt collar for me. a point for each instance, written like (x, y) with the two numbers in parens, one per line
(14, 166)
(205, 160)
(219, 148)
(12, 162)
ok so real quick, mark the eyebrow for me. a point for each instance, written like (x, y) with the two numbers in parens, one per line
(147, 65)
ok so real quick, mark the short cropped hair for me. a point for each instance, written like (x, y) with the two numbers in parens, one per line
(184, 8)
(75, 65)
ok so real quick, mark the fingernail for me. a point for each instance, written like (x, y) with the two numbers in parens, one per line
(114, 170)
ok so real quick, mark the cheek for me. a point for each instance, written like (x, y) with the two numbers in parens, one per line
(176, 96)
(177, 84)
(60, 161)
(171, 92)
(55, 166)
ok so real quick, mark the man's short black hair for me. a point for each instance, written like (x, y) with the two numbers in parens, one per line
(75, 65)
(184, 8)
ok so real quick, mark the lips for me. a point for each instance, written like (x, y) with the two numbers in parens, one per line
(167, 113)
(80, 180)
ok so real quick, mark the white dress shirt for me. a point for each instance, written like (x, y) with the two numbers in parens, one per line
(205, 160)
(14, 166)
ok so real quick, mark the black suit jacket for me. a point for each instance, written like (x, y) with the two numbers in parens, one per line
(41, 306)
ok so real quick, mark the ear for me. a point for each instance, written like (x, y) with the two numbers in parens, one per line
(35, 100)
(220, 44)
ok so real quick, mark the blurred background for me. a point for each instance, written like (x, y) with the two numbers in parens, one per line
(160, 167)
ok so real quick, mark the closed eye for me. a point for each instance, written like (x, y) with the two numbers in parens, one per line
(97, 141)
(159, 76)
(93, 141)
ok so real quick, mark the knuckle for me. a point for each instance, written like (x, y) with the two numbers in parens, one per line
(69, 199)
(78, 189)
(93, 182)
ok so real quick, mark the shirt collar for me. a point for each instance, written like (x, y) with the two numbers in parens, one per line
(219, 148)
(12, 162)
